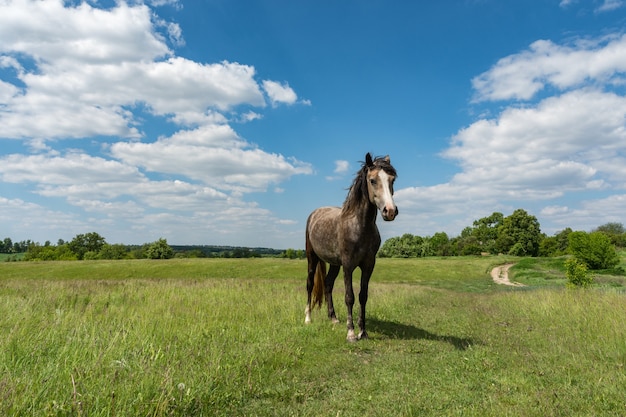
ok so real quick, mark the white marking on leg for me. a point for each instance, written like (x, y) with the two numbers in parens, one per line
(307, 315)
(351, 336)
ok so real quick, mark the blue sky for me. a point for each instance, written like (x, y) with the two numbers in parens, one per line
(227, 122)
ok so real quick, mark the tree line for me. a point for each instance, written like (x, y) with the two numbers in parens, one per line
(92, 246)
(518, 234)
(8, 246)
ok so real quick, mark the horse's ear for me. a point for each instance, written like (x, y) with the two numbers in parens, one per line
(387, 159)
(368, 160)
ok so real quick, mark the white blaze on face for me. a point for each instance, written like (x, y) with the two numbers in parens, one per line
(383, 196)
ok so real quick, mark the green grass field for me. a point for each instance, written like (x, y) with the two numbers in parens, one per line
(5, 257)
(206, 337)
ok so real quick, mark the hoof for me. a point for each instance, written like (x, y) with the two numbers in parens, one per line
(351, 336)
(363, 335)
(335, 320)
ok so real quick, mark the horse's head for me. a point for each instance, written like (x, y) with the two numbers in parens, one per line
(380, 178)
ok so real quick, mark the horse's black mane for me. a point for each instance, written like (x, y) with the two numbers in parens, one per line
(358, 189)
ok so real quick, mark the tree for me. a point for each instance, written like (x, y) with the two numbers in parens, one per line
(562, 240)
(426, 248)
(7, 245)
(611, 229)
(159, 250)
(116, 251)
(405, 246)
(555, 245)
(467, 243)
(519, 234)
(293, 254)
(36, 252)
(615, 231)
(594, 249)
(440, 244)
(486, 231)
(83, 243)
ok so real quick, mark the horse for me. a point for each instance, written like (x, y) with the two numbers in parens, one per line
(348, 237)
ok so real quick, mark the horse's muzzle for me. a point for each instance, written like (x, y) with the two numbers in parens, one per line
(389, 215)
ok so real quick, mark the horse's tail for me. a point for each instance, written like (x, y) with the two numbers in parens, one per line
(318, 283)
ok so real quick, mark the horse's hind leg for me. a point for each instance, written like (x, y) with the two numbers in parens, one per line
(329, 283)
(313, 260)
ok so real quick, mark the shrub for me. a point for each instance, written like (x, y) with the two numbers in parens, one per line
(90, 255)
(159, 250)
(577, 274)
(594, 249)
(116, 251)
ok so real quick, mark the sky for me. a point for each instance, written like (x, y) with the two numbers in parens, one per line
(226, 122)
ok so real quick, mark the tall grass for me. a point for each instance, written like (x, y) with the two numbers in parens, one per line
(193, 337)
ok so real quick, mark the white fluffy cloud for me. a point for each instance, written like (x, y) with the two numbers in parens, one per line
(214, 155)
(17, 214)
(560, 144)
(56, 35)
(80, 71)
(584, 61)
(587, 213)
(538, 150)
(279, 93)
(115, 193)
(84, 73)
(341, 167)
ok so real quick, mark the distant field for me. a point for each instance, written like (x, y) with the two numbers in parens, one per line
(192, 337)
(11, 257)
(459, 273)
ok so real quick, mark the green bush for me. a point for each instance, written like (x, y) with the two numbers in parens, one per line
(159, 250)
(594, 249)
(577, 273)
(90, 255)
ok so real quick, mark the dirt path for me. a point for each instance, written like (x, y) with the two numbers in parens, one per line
(500, 275)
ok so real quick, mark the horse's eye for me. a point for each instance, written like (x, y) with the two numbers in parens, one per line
(373, 182)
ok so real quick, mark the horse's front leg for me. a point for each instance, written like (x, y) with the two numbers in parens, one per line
(366, 273)
(347, 276)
